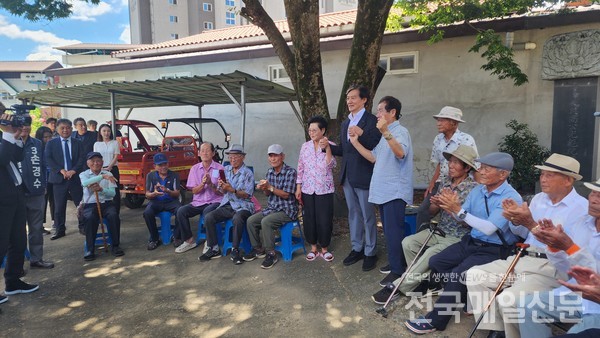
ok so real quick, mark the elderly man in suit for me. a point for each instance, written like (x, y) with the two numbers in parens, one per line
(356, 174)
(65, 159)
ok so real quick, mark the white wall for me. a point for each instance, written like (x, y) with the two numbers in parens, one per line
(448, 75)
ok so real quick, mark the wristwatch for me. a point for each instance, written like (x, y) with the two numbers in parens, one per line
(271, 188)
(462, 214)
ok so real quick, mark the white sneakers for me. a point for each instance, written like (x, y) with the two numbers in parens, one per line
(185, 246)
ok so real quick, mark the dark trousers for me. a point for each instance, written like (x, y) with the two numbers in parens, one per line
(152, 209)
(184, 230)
(451, 265)
(117, 198)
(61, 191)
(318, 218)
(221, 214)
(49, 201)
(13, 236)
(423, 215)
(392, 217)
(92, 220)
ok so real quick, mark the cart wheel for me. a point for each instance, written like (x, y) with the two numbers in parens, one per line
(134, 201)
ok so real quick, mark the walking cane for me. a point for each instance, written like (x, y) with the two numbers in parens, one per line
(101, 221)
(432, 230)
(522, 247)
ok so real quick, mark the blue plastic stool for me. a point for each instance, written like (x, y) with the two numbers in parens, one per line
(410, 224)
(99, 241)
(202, 231)
(288, 243)
(27, 257)
(228, 237)
(165, 226)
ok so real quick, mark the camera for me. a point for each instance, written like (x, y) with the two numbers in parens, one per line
(20, 117)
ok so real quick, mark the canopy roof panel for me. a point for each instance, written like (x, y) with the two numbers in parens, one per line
(195, 91)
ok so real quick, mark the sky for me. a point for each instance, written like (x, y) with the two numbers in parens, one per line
(107, 22)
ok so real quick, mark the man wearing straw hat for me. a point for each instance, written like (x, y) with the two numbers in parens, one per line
(574, 250)
(105, 188)
(448, 139)
(559, 202)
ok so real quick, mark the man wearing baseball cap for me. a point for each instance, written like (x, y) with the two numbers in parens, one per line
(489, 239)
(559, 202)
(279, 185)
(162, 192)
(105, 188)
(448, 139)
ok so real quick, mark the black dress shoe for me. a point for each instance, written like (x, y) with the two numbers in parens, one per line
(496, 334)
(116, 251)
(353, 257)
(369, 263)
(46, 231)
(89, 256)
(41, 265)
(57, 235)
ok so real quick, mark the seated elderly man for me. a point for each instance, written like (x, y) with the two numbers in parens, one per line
(162, 192)
(237, 187)
(489, 239)
(101, 184)
(559, 202)
(574, 245)
(460, 162)
(279, 186)
(202, 181)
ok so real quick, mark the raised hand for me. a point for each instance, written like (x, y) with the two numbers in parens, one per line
(518, 214)
(588, 283)
(551, 235)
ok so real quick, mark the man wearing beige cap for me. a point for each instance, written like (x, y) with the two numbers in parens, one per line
(558, 202)
(448, 139)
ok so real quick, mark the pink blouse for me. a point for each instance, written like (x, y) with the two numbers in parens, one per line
(315, 175)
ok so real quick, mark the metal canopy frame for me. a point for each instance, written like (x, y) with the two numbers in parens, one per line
(238, 88)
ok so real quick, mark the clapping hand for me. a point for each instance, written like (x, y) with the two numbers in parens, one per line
(551, 235)
(588, 283)
(518, 214)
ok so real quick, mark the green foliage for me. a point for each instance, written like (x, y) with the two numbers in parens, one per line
(430, 16)
(500, 57)
(34, 10)
(523, 145)
(36, 119)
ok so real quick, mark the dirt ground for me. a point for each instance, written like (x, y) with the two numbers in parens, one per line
(163, 294)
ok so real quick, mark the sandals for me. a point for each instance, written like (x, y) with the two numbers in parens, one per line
(327, 256)
(312, 256)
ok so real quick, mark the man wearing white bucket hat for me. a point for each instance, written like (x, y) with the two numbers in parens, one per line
(448, 139)
(559, 202)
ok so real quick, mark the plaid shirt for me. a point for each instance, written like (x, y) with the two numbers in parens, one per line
(286, 181)
(242, 180)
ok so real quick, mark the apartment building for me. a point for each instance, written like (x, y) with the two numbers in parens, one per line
(155, 21)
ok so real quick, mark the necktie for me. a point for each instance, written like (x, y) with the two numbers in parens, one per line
(67, 155)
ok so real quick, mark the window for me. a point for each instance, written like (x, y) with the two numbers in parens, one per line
(174, 36)
(207, 7)
(278, 74)
(400, 63)
(229, 18)
(173, 18)
(172, 2)
(208, 25)
(229, 2)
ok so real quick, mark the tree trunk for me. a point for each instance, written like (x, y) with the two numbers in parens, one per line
(366, 49)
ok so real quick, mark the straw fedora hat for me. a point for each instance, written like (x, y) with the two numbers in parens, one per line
(464, 153)
(593, 185)
(565, 165)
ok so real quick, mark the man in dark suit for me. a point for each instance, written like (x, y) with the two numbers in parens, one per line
(356, 174)
(65, 159)
(13, 236)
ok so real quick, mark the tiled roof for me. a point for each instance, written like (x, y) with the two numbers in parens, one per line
(336, 19)
(27, 66)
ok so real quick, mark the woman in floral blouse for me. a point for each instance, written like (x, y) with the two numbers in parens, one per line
(314, 189)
